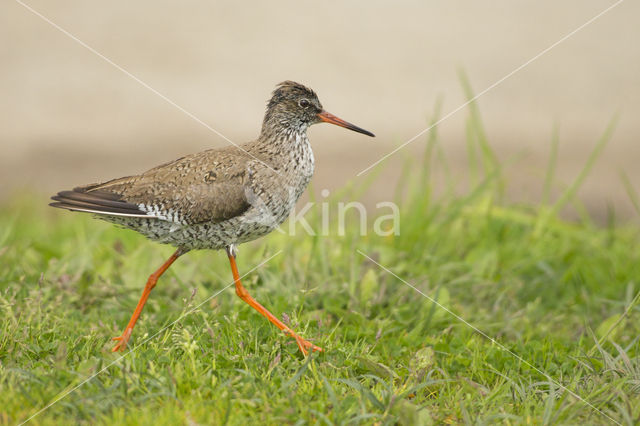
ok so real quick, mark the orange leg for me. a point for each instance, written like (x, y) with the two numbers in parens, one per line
(303, 344)
(151, 283)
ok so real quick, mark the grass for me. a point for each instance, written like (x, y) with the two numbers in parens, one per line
(561, 296)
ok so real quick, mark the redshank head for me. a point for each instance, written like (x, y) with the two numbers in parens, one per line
(294, 106)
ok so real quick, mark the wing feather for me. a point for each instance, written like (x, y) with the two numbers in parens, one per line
(100, 202)
(208, 186)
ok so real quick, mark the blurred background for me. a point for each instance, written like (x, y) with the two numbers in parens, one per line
(67, 117)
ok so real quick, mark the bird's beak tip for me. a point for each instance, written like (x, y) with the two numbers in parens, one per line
(330, 118)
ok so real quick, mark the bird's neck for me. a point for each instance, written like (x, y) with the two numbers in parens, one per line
(277, 126)
(284, 147)
(282, 137)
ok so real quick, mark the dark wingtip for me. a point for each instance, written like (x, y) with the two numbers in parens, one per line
(58, 205)
(100, 202)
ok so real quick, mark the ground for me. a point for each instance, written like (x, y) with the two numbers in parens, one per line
(536, 320)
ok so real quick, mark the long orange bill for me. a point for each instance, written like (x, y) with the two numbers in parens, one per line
(330, 118)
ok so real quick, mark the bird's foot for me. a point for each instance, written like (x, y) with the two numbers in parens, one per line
(122, 340)
(304, 345)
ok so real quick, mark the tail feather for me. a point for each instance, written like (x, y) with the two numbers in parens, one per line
(98, 202)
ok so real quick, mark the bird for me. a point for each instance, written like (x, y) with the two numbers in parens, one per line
(218, 198)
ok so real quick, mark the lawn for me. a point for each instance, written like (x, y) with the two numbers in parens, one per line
(479, 311)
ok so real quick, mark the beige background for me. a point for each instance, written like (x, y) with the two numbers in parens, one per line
(67, 117)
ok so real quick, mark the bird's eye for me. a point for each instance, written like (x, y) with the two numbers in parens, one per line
(303, 103)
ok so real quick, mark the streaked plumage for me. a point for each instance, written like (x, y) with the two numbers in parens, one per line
(220, 197)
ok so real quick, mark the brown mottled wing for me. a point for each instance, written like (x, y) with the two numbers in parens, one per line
(208, 186)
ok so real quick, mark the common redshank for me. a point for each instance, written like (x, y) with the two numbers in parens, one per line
(217, 198)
